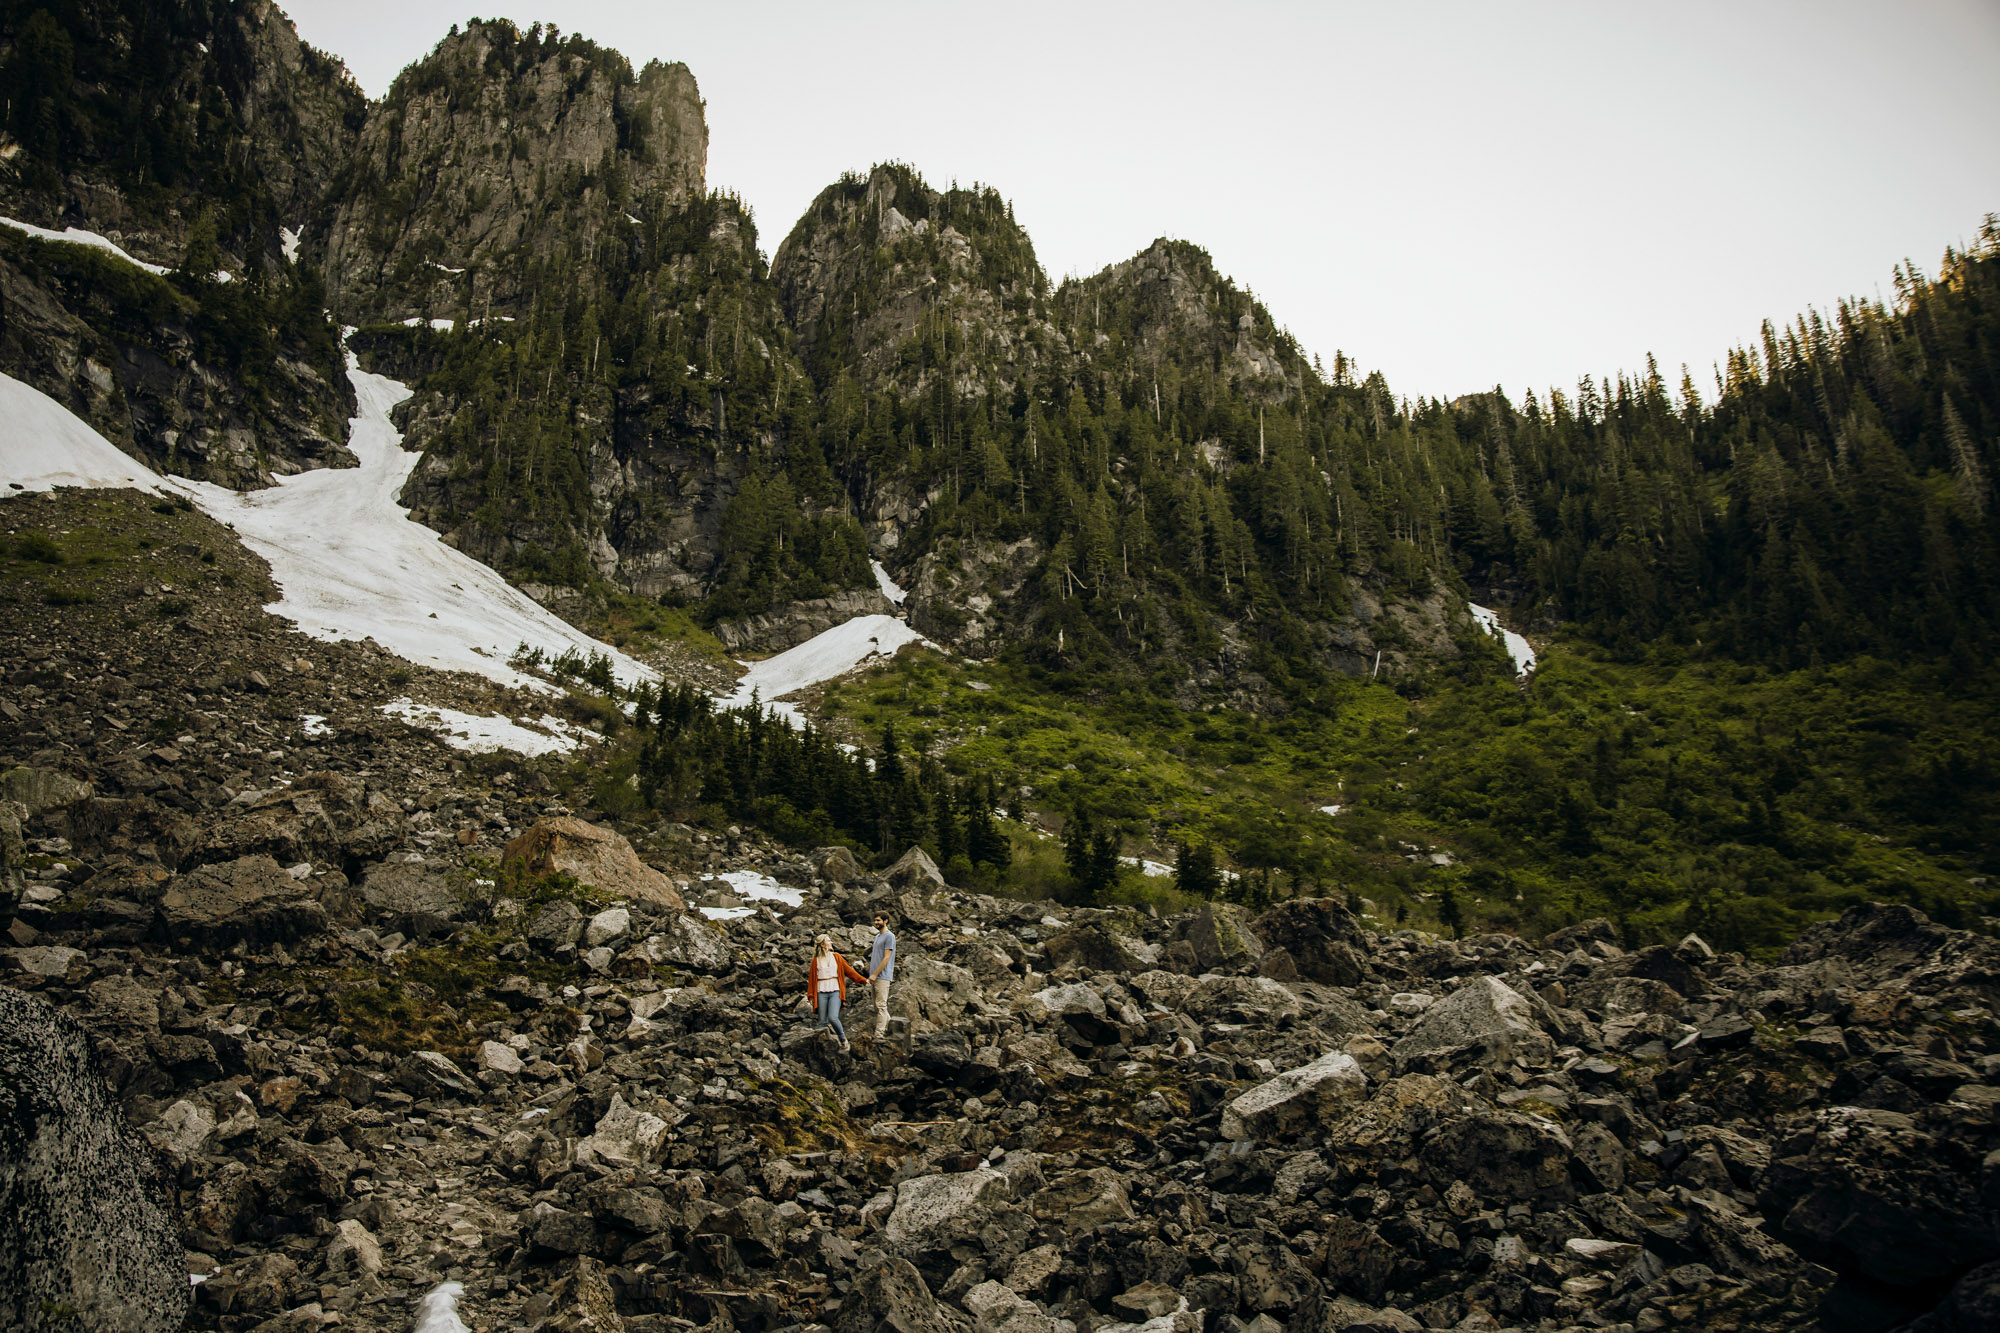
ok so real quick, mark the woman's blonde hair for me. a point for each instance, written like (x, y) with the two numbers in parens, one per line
(825, 941)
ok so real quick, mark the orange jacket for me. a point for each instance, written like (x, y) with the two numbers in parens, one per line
(841, 972)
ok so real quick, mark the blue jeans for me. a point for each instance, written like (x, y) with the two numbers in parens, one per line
(829, 1013)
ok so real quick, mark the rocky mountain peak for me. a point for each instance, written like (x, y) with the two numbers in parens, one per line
(499, 155)
(886, 278)
(1168, 303)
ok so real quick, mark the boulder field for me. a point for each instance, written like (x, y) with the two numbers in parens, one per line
(1080, 1119)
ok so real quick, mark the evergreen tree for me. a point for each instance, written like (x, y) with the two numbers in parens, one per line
(1195, 871)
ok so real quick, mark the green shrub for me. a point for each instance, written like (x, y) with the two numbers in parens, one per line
(39, 547)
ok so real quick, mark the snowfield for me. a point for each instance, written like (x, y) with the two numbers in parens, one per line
(822, 657)
(44, 445)
(352, 564)
(78, 236)
(1518, 647)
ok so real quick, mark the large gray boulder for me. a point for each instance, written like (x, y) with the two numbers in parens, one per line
(1485, 1013)
(411, 898)
(1296, 1100)
(915, 872)
(1220, 936)
(890, 1297)
(1323, 938)
(249, 899)
(1861, 1188)
(41, 789)
(1504, 1156)
(938, 1210)
(86, 1225)
(12, 852)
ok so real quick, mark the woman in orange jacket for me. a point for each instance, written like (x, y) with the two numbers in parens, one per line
(826, 985)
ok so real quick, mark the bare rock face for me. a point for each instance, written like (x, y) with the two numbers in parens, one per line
(891, 1295)
(322, 816)
(411, 898)
(12, 849)
(1221, 936)
(1321, 936)
(246, 125)
(596, 856)
(499, 149)
(88, 1226)
(253, 116)
(39, 789)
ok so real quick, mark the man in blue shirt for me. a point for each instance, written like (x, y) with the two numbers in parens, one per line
(881, 971)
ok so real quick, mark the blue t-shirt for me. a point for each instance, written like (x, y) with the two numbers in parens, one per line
(884, 943)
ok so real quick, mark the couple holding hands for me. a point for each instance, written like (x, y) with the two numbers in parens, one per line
(827, 976)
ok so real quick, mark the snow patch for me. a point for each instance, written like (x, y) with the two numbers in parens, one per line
(483, 735)
(445, 268)
(890, 588)
(441, 325)
(47, 445)
(314, 724)
(78, 236)
(438, 1311)
(351, 564)
(820, 658)
(726, 913)
(288, 241)
(759, 887)
(1518, 647)
(1150, 869)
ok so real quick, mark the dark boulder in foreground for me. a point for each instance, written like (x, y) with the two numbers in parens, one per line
(87, 1241)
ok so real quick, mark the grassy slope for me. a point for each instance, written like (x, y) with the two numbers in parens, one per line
(1710, 795)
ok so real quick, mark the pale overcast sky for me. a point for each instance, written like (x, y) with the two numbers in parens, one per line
(1457, 194)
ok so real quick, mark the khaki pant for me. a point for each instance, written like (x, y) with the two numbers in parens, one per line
(881, 988)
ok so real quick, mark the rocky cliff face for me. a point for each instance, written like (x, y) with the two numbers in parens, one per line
(1057, 468)
(631, 396)
(226, 383)
(561, 461)
(194, 135)
(138, 120)
(503, 160)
